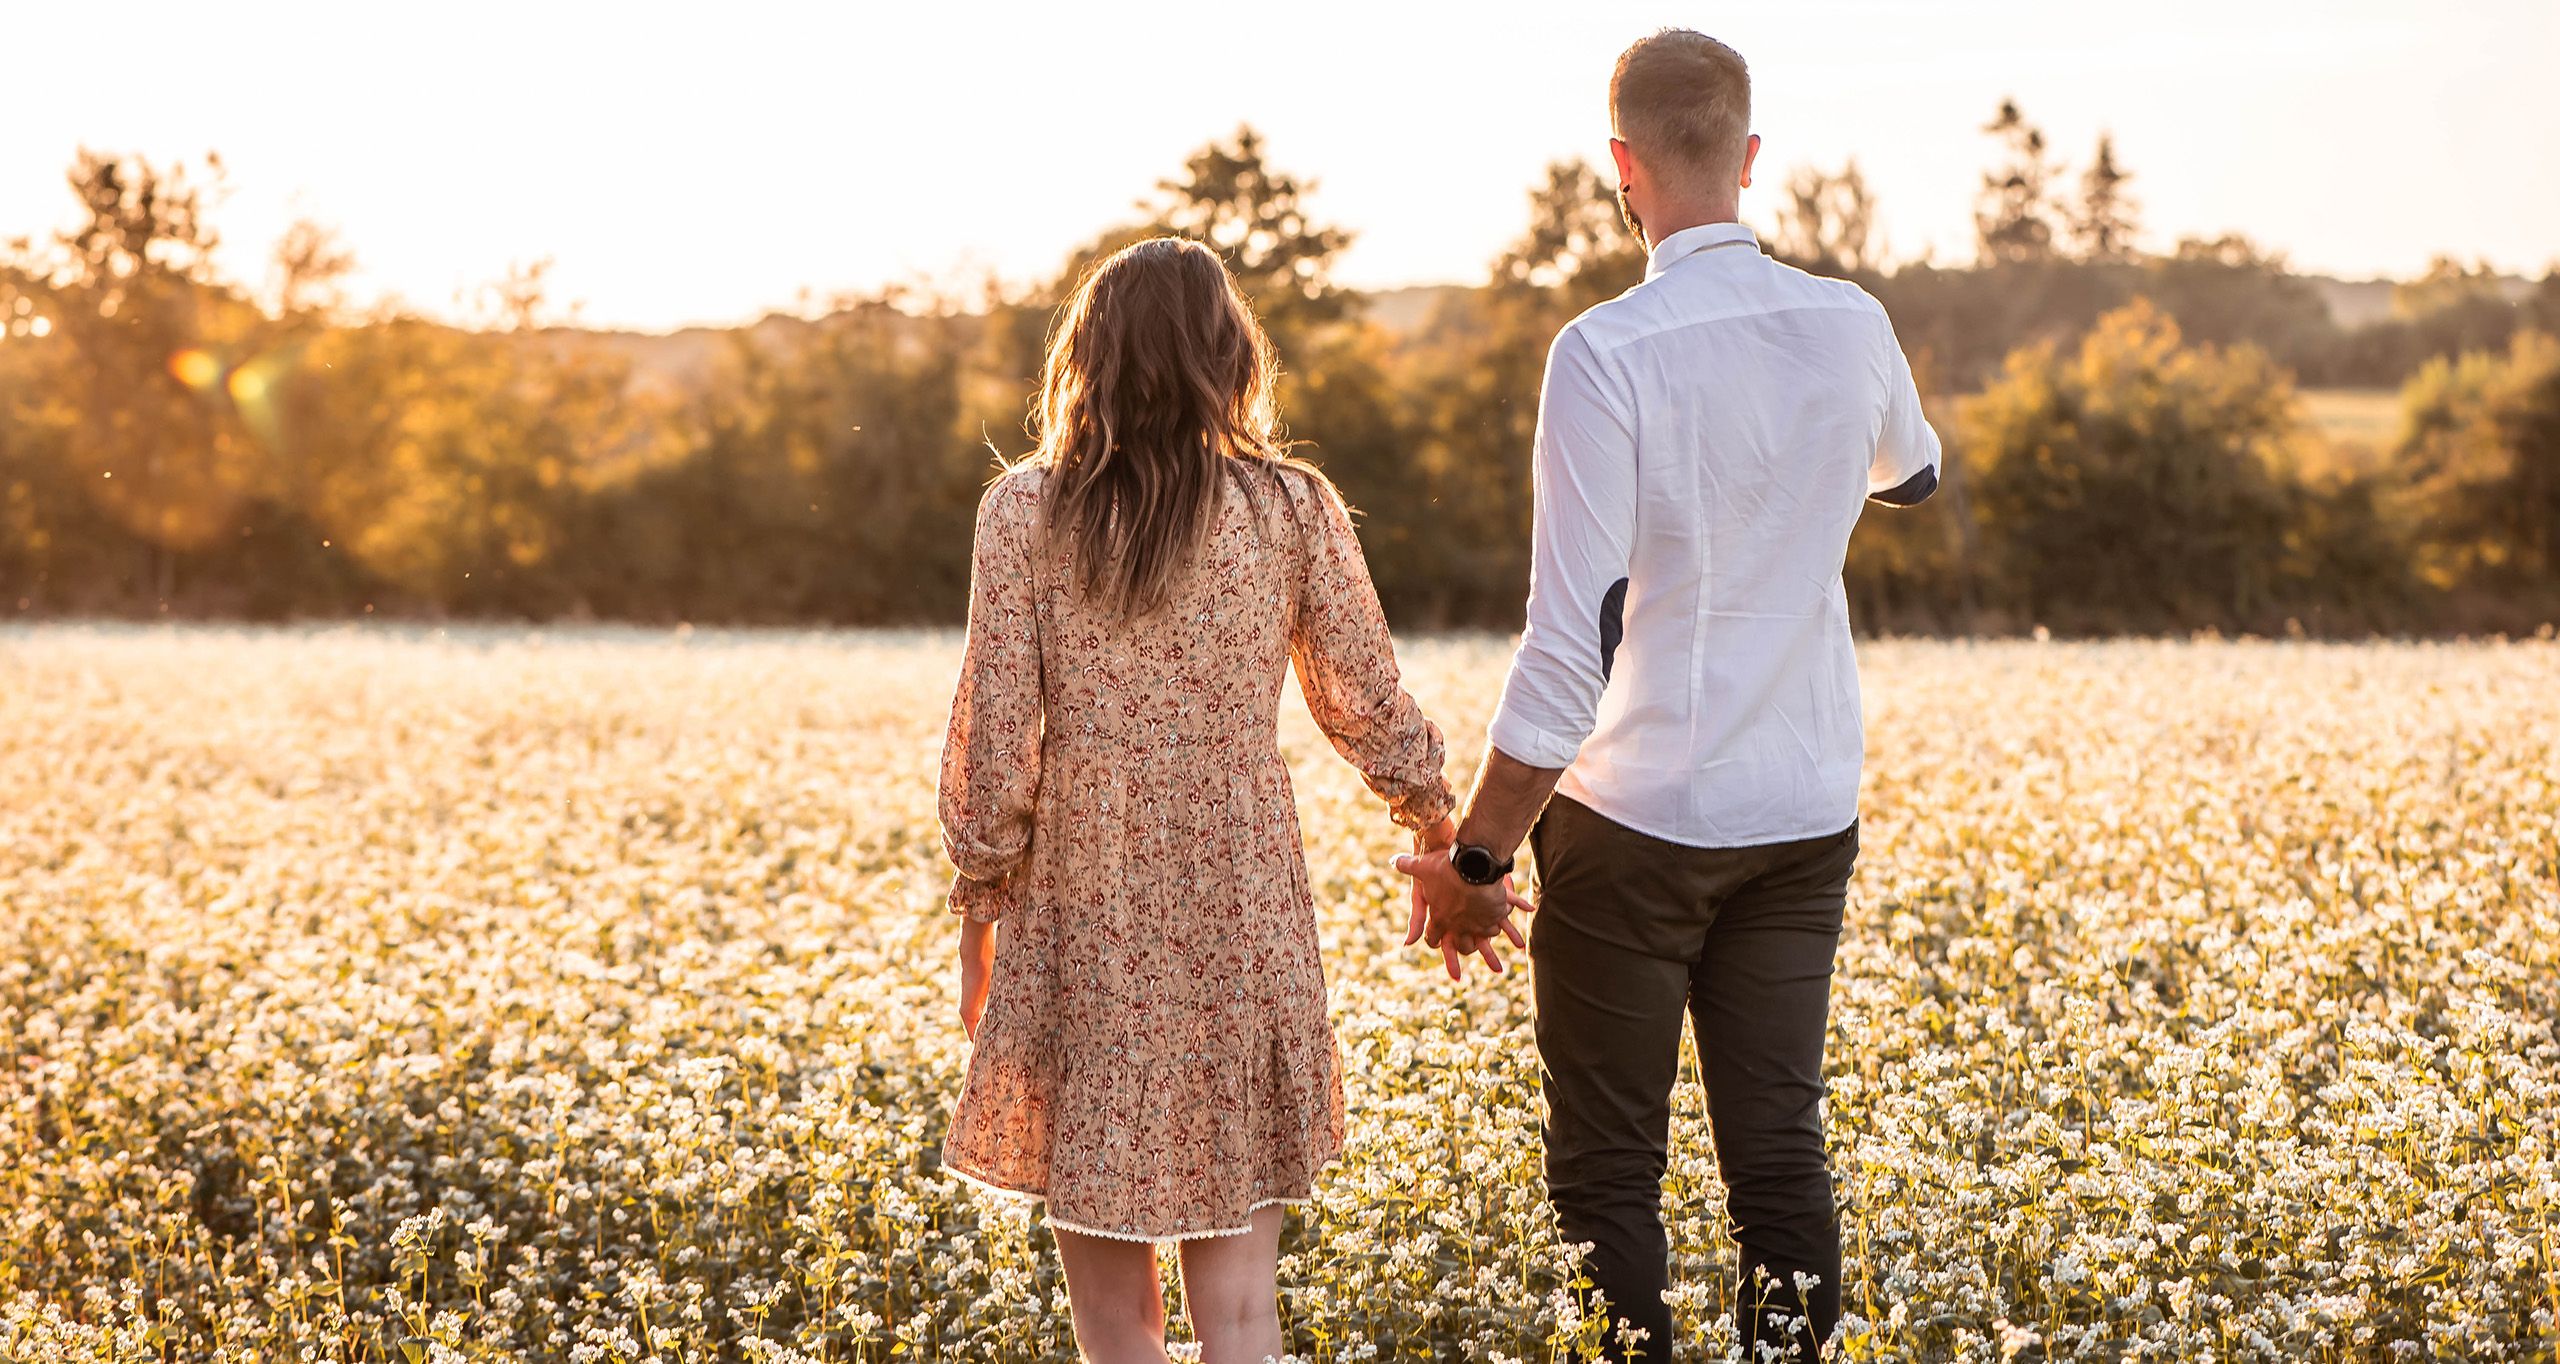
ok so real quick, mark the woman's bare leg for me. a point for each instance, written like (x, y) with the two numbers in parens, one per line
(1115, 1296)
(1231, 1290)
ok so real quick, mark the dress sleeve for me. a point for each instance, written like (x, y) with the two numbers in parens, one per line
(991, 753)
(1346, 665)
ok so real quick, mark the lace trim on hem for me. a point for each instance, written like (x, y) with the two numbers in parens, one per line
(1080, 1229)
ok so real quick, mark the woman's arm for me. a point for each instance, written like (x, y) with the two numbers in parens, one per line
(991, 753)
(1346, 665)
(977, 972)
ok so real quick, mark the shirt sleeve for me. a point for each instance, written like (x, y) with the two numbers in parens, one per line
(1583, 472)
(1905, 468)
(991, 753)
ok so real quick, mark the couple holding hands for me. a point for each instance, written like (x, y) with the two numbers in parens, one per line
(1678, 742)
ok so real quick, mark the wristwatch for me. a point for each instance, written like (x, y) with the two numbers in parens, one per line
(1476, 865)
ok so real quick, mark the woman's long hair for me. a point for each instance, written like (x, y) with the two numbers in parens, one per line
(1159, 380)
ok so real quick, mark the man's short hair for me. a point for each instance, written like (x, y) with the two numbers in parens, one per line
(1681, 101)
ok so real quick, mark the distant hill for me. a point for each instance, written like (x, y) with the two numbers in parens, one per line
(685, 360)
(2361, 302)
(2355, 302)
(2352, 303)
(1406, 310)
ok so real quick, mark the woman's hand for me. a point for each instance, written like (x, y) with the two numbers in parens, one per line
(1430, 840)
(977, 972)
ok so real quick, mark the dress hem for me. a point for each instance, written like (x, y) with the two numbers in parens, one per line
(1056, 1221)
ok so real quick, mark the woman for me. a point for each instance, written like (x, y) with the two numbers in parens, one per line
(1140, 977)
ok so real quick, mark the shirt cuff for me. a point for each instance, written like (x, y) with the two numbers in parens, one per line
(1526, 742)
(1910, 492)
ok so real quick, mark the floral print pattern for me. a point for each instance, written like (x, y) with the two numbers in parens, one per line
(1155, 1058)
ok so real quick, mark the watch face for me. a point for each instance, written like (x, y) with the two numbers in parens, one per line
(1475, 865)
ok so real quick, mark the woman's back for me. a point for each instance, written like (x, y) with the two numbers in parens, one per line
(1201, 671)
(1155, 1056)
(1173, 701)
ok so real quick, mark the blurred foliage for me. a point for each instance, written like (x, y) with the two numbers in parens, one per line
(2013, 213)
(2125, 453)
(2482, 466)
(1827, 223)
(2139, 481)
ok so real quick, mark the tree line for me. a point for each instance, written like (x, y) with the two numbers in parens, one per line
(2128, 447)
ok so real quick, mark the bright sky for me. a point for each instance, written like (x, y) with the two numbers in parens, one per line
(705, 163)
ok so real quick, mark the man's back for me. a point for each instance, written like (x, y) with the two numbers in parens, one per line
(1706, 443)
(1687, 692)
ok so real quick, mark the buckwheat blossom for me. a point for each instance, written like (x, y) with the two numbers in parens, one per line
(505, 995)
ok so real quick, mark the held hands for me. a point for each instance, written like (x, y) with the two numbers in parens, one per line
(1459, 918)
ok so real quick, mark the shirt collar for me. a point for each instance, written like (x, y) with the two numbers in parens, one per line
(1689, 241)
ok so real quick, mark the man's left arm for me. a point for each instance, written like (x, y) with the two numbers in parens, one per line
(1506, 801)
(1905, 468)
(1581, 542)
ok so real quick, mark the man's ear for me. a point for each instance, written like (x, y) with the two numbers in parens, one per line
(1750, 153)
(1625, 160)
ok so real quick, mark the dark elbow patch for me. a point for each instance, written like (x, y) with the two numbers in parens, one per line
(1613, 624)
(1911, 491)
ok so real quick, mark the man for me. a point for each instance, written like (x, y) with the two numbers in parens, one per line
(1687, 692)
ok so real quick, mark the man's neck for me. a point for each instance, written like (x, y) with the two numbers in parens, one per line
(1686, 217)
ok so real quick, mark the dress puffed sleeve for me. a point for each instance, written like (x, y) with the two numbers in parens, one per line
(1346, 663)
(991, 753)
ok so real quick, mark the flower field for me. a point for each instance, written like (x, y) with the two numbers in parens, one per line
(494, 995)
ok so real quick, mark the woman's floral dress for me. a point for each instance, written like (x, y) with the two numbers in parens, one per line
(1155, 1059)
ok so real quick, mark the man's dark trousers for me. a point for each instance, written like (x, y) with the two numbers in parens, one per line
(1632, 932)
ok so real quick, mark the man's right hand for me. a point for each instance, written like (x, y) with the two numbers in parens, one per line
(1441, 895)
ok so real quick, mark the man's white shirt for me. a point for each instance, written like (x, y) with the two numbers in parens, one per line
(1706, 442)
